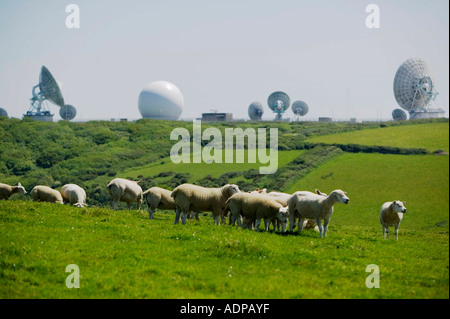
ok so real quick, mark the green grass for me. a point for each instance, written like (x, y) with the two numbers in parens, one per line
(200, 170)
(124, 255)
(432, 137)
(372, 179)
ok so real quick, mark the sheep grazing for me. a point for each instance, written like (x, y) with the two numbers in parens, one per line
(124, 190)
(7, 190)
(391, 214)
(256, 207)
(42, 193)
(160, 198)
(74, 195)
(314, 206)
(189, 197)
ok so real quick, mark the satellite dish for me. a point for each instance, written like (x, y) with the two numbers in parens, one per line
(3, 112)
(255, 111)
(67, 112)
(300, 108)
(278, 102)
(48, 90)
(399, 115)
(414, 89)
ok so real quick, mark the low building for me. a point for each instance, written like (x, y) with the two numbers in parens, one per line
(217, 116)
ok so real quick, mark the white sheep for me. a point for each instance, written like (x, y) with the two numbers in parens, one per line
(124, 190)
(42, 193)
(157, 197)
(256, 207)
(189, 197)
(74, 195)
(391, 214)
(314, 206)
(7, 190)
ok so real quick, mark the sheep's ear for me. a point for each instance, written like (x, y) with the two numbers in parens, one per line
(404, 202)
(394, 202)
(317, 191)
(19, 184)
(139, 181)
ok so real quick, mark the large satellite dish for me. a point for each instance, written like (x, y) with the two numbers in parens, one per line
(48, 90)
(255, 111)
(414, 89)
(399, 115)
(300, 108)
(278, 102)
(67, 112)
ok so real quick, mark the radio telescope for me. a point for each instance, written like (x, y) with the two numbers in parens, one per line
(300, 108)
(3, 112)
(398, 115)
(255, 111)
(278, 102)
(67, 112)
(414, 89)
(48, 90)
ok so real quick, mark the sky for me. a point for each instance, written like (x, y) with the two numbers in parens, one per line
(222, 55)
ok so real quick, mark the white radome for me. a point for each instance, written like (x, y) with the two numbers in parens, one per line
(161, 100)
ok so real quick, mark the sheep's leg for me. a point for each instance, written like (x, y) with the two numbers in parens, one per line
(183, 218)
(384, 232)
(150, 213)
(291, 222)
(300, 224)
(129, 205)
(396, 232)
(258, 222)
(387, 232)
(267, 224)
(325, 227)
(319, 224)
(217, 220)
(177, 215)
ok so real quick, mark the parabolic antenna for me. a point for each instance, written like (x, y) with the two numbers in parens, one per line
(161, 100)
(414, 89)
(278, 102)
(255, 111)
(67, 112)
(300, 108)
(48, 90)
(398, 115)
(3, 112)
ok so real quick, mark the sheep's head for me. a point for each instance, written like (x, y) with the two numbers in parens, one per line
(231, 189)
(21, 189)
(341, 196)
(398, 206)
(283, 214)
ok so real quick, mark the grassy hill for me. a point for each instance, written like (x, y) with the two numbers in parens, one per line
(123, 254)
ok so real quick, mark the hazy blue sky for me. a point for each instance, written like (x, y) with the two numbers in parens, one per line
(222, 55)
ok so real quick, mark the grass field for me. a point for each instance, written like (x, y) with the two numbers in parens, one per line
(432, 137)
(124, 255)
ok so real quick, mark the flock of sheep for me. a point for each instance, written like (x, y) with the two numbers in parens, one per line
(187, 200)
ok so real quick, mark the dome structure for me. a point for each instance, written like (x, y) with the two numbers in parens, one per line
(67, 112)
(3, 112)
(399, 115)
(161, 100)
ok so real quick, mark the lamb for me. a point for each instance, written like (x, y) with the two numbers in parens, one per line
(124, 190)
(157, 197)
(317, 207)
(256, 207)
(42, 193)
(7, 190)
(391, 214)
(74, 195)
(189, 197)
